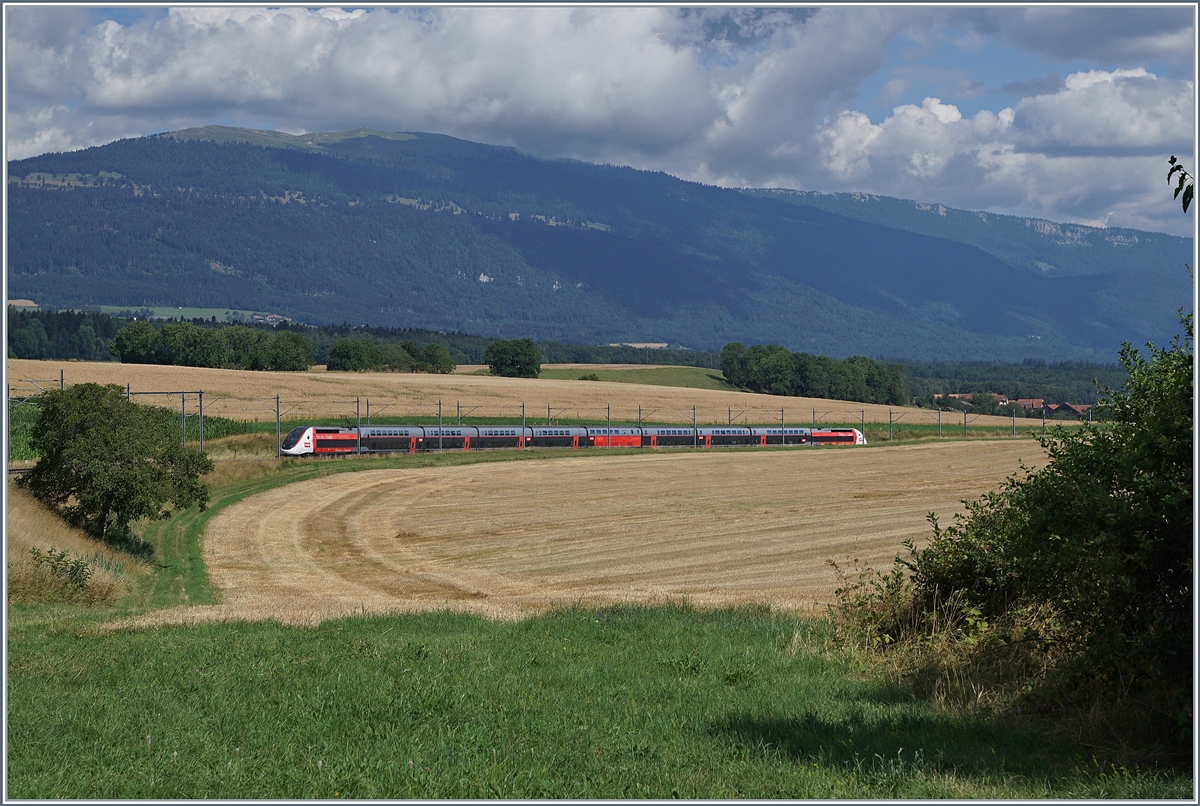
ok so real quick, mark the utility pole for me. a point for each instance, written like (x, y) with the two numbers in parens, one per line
(439, 424)
(889, 425)
(278, 448)
(201, 421)
(695, 434)
(357, 426)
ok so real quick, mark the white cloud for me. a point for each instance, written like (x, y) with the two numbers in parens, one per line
(1094, 152)
(730, 96)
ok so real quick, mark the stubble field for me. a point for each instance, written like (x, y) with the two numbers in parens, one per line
(316, 394)
(716, 529)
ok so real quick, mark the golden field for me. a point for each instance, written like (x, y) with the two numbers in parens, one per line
(320, 395)
(715, 528)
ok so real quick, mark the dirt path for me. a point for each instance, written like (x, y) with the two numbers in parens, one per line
(716, 528)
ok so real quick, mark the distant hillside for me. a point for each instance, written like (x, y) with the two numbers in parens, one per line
(1040, 246)
(426, 231)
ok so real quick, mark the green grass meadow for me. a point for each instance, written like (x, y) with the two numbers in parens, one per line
(688, 377)
(619, 703)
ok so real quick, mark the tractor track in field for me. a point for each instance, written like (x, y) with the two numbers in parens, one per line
(504, 540)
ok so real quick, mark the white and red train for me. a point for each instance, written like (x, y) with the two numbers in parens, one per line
(318, 439)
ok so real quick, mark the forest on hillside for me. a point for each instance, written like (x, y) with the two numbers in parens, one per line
(439, 234)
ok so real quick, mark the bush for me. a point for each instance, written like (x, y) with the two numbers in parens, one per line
(1085, 565)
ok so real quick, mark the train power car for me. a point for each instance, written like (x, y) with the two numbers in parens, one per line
(319, 440)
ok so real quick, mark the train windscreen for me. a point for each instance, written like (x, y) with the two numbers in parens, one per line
(293, 437)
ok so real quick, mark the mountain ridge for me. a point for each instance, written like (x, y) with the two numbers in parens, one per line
(424, 230)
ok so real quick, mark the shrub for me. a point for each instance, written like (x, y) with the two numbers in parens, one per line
(1081, 571)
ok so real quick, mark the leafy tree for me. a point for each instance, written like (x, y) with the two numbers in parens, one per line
(30, 341)
(188, 345)
(397, 358)
(438, 360)
(515, 358)
(354, 355)
(106, 462)
(289, 352)
(733, 364)
(245, 348)
(136, 343)
(85, 344)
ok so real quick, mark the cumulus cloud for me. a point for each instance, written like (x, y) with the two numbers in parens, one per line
(735, 96)
(1093, 152)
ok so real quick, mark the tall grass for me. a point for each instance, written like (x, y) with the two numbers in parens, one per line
(35, 531)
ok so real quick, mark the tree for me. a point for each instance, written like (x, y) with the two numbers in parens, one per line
(437, 360)
(733, 364)
(107, 462)
(354, 355)
(137, 343)
(31, 341)
(189, 345)
(516, 358)
(245, 348)
(289, 352)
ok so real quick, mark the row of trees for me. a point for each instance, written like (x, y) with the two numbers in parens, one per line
(365, 355)
(236, 347)
(59, 334)
(775, 370)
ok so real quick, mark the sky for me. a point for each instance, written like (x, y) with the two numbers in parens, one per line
(1067, 113)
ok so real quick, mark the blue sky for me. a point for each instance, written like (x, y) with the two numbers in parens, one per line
(1060, 112)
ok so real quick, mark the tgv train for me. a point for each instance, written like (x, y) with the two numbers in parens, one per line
(319, 439)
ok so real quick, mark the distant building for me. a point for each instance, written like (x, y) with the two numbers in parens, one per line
(1030, 403)
(1073, 409)
(1001, 399)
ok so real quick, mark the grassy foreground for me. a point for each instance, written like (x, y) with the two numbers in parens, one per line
(621, 702)
(628, 702)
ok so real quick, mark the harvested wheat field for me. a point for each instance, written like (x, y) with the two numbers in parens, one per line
(328, 396)
(503, 540)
